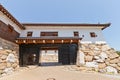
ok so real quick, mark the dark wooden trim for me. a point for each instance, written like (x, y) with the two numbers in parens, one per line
(47, 40)
(7, 32)
(47, 33)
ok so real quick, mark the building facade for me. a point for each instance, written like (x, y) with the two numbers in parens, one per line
(78, 44)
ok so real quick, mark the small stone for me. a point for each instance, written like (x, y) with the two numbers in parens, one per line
(88, 58)
(102, 70)
(96, 57)
(100, 60)
(114, 61)
(101, 65)
(82, 68)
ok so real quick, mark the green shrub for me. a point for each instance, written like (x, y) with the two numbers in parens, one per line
(118, 52)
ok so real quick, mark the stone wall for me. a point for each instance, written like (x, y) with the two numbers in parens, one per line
(9, 53)
(8, 61)
(98, 57)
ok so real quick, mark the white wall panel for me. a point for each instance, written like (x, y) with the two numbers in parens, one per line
(68, 32)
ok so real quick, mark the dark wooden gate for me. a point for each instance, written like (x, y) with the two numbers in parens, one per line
(67, 54)
(29, 53)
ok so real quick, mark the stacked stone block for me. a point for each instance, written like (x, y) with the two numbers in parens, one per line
(8, 61)
(99, 57)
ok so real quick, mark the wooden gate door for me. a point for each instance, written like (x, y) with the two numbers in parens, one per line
(63, 54)
(29, 55)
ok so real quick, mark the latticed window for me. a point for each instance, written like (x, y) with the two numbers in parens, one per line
(29, 34)
(76, 34)
(92, 34)
(49, 34)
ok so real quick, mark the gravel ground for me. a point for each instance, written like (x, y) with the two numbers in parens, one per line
(57, 73)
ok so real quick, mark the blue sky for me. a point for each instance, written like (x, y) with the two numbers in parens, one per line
(70, 11)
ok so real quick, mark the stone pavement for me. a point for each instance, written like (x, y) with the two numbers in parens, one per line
(59, 72)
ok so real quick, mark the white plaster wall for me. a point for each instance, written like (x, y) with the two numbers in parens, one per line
(68, 32)
(6, 20)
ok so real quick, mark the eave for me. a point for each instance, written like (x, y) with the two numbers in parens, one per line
(5, 12)
(69, 25)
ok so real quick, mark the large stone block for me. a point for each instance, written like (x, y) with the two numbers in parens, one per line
(96, 53)
(8, 70)
(113, 55)
(92, 46)
(3, 57)
(81, 58)
(11, 58)
(118, 64)
(9, 51)
(101, 65)
(103, 55)
(114, 61)
(91, 64)
(3, 52)
(113, 65)
(91, 53)
(110, 69)
(9, 65)
(105, 47)
(96, 57)
(100, 60)
(118, 68)
(107, 63)
(14, 65)
(2, 66)
(88, 58)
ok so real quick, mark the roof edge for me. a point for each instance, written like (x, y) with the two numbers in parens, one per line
(66, 24)
(4, 11)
